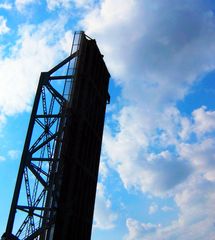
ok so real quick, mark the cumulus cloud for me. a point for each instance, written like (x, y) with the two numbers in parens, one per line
(156, 51)
(201, 155)
(131, 150)
(204, 120)
(197, 212)
(138, 230)
(3, 26)
(147, 61)
(155, 70)
(104, 217)
(21, 68)
(196, 220)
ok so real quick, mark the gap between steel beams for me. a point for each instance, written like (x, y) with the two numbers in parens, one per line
(44, 143)
(37, 175)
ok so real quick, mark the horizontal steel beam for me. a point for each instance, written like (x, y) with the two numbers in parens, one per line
(22, 207)
(63, 63)
(61, 77)
(45, 159)
(48, 116)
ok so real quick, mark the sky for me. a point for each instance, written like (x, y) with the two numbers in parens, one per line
(157, 170)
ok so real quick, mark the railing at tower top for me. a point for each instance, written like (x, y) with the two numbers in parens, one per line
(72, 65)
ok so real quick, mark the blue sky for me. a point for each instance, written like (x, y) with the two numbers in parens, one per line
(157, 171)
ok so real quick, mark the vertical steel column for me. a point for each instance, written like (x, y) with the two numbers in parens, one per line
(34, 202)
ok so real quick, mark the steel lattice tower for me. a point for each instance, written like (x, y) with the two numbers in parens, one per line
(55, 190)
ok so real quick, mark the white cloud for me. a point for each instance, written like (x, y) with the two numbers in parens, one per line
(147, 62)
(201, 155)
(103, 170)
(155, 68)
(2, 121)
(186, 174)
(104, 217)
(196, 210)
(13, 153)
(167, 209)
(2, 158)
(138, 230)
(66, 42)
(36, 50)
(86, 4)
(54, 4)
(130, 151)
(22, 4)
(153, 208)
(6, 5)
(196, 219)
(194, 197)
(83, 5)
(156, 51)
(3, 26)
(204, 121)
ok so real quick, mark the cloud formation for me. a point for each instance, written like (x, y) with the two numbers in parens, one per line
(133, 149)
(22, 4)
(154, 47)
(104, 217)
(3, 26)
(6, 6)
(56, 4)
(21, 68)
(196, 220)
(138, 230)
(2, 158)
(156, 51)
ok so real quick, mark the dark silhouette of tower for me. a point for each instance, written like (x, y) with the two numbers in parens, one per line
(56, 185)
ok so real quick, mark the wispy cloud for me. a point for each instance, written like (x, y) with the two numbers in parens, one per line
(138, 230)
(22, 4)
(6, 5)
(2, 158)
(104, 216)
(3, 26)
(13, 153)
(153, 208)
(57, 4)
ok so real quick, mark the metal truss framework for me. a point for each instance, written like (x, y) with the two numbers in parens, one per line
(37, 188)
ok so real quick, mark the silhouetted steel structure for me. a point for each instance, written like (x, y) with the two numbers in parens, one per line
(55, 190)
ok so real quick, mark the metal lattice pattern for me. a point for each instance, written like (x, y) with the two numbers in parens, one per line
(38, 183)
